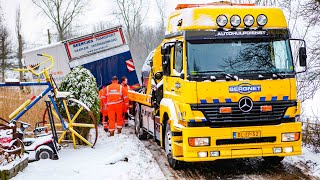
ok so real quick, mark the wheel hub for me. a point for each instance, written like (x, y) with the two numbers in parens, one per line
(44, 155)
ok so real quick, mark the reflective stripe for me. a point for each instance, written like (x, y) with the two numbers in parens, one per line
(113, 93)
(120, 89)
(119, 126)
(110, 103)
(111, 130)
(125, 96)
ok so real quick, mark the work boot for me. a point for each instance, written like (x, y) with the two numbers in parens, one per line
(111, 133)
(119, 130)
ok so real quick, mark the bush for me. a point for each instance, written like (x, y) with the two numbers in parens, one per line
(82, 85)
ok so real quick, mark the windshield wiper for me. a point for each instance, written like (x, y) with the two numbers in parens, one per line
(229, 76)
(275, 75)
(256, 70)
(217, 72)
(278, 75)
(196, 72)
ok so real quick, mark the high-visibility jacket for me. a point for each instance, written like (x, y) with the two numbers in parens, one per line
(126, 98)
(103, 99)
(116, 94)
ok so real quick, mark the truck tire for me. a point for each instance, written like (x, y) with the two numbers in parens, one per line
(273, 159)
(175, 164)
(137, 123)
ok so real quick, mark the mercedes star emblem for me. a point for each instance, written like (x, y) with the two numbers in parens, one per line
(245, 104)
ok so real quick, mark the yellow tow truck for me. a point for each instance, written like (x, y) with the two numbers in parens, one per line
(222, 85)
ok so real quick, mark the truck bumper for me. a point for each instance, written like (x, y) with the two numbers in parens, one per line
(222, 140)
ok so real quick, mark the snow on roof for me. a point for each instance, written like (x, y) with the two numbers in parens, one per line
(42, 47)
(204, 18)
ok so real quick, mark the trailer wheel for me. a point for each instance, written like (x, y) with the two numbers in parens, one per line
(175, 164)
(137, 123)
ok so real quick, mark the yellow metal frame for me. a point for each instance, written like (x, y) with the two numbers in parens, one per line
(71, 122)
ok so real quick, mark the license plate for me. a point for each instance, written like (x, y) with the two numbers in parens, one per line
(246, 134)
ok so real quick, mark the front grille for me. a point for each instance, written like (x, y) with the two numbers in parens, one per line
(239, 118)
(245, 141)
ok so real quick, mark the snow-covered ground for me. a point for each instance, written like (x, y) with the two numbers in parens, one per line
(309, 162)
(125, 157)
(119, 157)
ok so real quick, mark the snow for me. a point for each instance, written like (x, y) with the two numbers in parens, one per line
(309, 162)
(13, 163)
(120, 157)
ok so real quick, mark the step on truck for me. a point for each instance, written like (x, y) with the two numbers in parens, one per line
(222, 85)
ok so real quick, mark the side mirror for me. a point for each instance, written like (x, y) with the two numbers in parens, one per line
(166, 64)
(151, 63)
(166, 52)
(158, 75)
(299, 54)
(163, 50)
(303, 56)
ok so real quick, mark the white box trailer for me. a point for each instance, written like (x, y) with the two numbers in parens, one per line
(104, 53)
(57, 50)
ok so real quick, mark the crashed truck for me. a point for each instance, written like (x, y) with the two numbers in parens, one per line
(104, 53)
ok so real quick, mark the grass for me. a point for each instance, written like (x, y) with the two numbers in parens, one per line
(12, 97)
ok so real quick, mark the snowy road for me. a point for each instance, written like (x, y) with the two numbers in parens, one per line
(253, 168)
(125, 157)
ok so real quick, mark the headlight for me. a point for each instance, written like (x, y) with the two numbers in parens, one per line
(235, 20)
(222, 20)
(248, 20)
(262, 20)
(287, 137)
(199, 141)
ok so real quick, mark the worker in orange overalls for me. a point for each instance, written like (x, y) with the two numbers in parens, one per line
(115, 99)
(126, 87)
(103, 107)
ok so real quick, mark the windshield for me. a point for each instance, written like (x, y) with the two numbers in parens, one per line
(241, 56)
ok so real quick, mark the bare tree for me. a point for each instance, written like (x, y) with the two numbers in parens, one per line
(5, 49)
(20, 40)
(130, 13)
(62, 13)
(266, 2)
(102, 25)
(258, 2)
(161, 6)
(309, 82)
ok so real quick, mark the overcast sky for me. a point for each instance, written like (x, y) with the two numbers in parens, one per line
(35, 24)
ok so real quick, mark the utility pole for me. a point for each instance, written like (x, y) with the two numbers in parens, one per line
(49, 37)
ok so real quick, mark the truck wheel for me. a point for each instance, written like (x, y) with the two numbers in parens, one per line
(137, 123)
(44, 154)
(273, 159)
(175, 164)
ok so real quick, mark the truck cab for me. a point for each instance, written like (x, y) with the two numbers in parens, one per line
(222, 85)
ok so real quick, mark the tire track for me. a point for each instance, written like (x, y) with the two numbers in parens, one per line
(251, 168)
